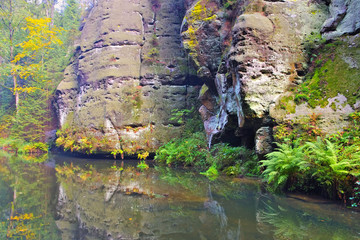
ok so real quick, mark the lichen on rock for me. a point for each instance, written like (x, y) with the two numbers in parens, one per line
(129, 72)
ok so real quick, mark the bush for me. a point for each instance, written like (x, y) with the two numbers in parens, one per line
(82, 140)
(188, 151)
(325, 164)
(284, 165)
(20, 146)
(193, 151)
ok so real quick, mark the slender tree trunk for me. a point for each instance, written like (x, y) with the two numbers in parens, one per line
(11, 30)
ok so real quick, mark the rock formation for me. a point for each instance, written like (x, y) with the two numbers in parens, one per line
(129, 72)
(138, 60)
(261, 51)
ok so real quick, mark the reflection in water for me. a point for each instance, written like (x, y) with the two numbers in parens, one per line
(26, 206)
(100, 200)
(289, 221)
(215, 208)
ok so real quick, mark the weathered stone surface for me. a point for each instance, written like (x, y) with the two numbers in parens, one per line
(262, 55)
(337, 88)
(268, 48)
(263, 141)
(130, 69)
(129, 72)
(344, 18)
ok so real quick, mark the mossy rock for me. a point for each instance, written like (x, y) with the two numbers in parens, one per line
(337, 71)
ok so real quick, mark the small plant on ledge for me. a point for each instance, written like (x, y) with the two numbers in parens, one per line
(115, 152)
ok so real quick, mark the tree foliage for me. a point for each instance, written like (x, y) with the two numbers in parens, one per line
(34, 52)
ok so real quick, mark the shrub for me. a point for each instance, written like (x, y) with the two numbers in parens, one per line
(283, 165)
(193, 151)
(81, 140)
(188, 151)
(331, 165)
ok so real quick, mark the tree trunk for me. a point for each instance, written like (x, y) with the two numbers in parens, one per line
(11, 30)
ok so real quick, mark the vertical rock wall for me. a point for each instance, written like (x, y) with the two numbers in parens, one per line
(128, 73)
(139, 59)
(262, 53)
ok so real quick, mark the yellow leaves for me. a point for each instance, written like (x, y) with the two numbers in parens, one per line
(24, 89)
(19, 227)
(40, 37)
(143, 155)
(23, 217)
(28, 63)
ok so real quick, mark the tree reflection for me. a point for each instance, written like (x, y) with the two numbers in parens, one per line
(26, 213)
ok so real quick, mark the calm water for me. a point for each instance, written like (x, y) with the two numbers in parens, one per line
(72, 198)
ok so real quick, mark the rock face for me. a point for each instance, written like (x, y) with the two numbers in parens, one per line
(252, 55)
(344, 18)
(128, 73)
(263, 141)
(131, 68)
(261, 54)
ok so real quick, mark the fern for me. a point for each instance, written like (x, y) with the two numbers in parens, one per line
(282, 164)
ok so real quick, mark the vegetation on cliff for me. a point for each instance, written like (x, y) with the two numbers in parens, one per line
(308, 160)
(192, 150)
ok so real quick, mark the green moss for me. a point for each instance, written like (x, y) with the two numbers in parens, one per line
(69, 119)
(65, 85)
(331, 76)
(287, 103)
(203, 90)
(333, 106)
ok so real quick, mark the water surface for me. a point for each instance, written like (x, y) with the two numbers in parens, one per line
(73, 198)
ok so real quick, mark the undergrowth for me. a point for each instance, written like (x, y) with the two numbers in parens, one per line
(193, 151)
(326, 164)
(22, 147)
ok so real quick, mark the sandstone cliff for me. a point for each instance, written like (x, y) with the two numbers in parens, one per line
(259, 63)
(129, 72)
(261, 53)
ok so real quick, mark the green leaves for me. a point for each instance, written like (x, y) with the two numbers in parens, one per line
(325, 164)
(193, 151)
(284, 163)
(180, 115)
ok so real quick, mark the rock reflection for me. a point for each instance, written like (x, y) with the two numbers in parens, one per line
(128, 204)
(110, 201)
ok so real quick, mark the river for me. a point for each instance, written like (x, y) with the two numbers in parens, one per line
(74, 198)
